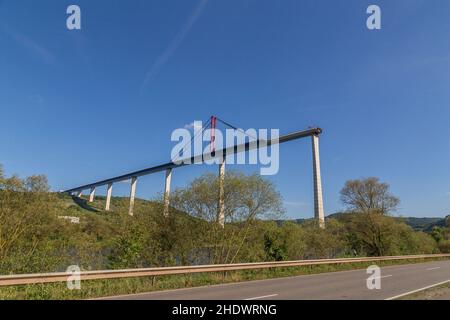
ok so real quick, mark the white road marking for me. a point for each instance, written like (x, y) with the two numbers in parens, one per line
(262, 297)
(386, 276)
(429, 269)
(421, 289)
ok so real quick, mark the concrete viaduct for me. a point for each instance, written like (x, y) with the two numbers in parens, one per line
(168, 168)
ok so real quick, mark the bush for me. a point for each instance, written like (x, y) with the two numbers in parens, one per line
(33, 238)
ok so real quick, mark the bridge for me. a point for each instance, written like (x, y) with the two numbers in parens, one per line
(196, 159)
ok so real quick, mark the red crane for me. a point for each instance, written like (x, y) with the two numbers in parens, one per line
(213, 133)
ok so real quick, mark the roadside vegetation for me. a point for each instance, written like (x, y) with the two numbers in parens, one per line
(35, 239)
(441, 292)
(92, 289)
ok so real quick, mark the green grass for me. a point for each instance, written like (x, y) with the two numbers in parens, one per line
(438, 292)
(111, 287)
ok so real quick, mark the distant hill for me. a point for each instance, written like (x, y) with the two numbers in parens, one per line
(418, 224)
(424, 224)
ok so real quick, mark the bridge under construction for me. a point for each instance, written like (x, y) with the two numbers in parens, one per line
(213, 154)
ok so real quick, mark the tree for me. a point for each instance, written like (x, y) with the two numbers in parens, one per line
(371, 232)
(247, 198)
(28, 226)
(37, 183)
(438, 234)
(275, 248)
(324, 243)
(368, 195)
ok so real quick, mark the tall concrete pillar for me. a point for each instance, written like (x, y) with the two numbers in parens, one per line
(132, 195)
(318, 198)
(167, 192)
(108, 196)
(80, 194)
(92, 194)
(221, 205)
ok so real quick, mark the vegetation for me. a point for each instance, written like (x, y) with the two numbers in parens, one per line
(34, 238)
(441, 292)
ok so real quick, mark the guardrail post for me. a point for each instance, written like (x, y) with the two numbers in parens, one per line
(221, 206)
(92, 194)
(108, 196)
(132, 195)
(318, 197)
(167, 192)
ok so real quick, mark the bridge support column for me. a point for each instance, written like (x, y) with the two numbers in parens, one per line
(221, 205)
(167, 192)
(92, 194)
(318, 198)
(80, 194)
(108, 196)
(132, 195)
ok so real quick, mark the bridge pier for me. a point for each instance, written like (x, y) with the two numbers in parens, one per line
(167, 192)
(221, 205)
(80, 194)
(108, 196)
(92, 194)
(132, 195)
(318, 197)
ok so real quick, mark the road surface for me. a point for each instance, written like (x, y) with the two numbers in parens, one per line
(395, 281)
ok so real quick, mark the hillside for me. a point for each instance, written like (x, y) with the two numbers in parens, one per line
(418, 224)
(424, 224)
(58, 230)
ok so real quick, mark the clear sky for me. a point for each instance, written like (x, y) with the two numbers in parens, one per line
(89, 104)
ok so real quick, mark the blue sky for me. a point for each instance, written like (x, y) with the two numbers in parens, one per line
(84, 105)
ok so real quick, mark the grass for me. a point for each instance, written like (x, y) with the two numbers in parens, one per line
(111, 287)
(438, 292)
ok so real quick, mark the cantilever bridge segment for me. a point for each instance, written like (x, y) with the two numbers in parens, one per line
(168, 167)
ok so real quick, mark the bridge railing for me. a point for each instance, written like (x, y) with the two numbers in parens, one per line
(24, 279)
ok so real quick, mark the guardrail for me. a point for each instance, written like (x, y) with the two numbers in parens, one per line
(37, 278)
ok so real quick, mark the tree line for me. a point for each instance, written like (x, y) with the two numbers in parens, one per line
(34, 239)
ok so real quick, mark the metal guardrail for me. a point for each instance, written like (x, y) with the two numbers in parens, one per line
(37, 278)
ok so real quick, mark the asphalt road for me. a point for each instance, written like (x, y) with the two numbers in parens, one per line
(349, 285)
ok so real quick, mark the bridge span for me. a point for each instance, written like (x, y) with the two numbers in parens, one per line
(169, 166)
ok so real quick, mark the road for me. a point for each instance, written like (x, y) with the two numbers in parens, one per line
(349, 285)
